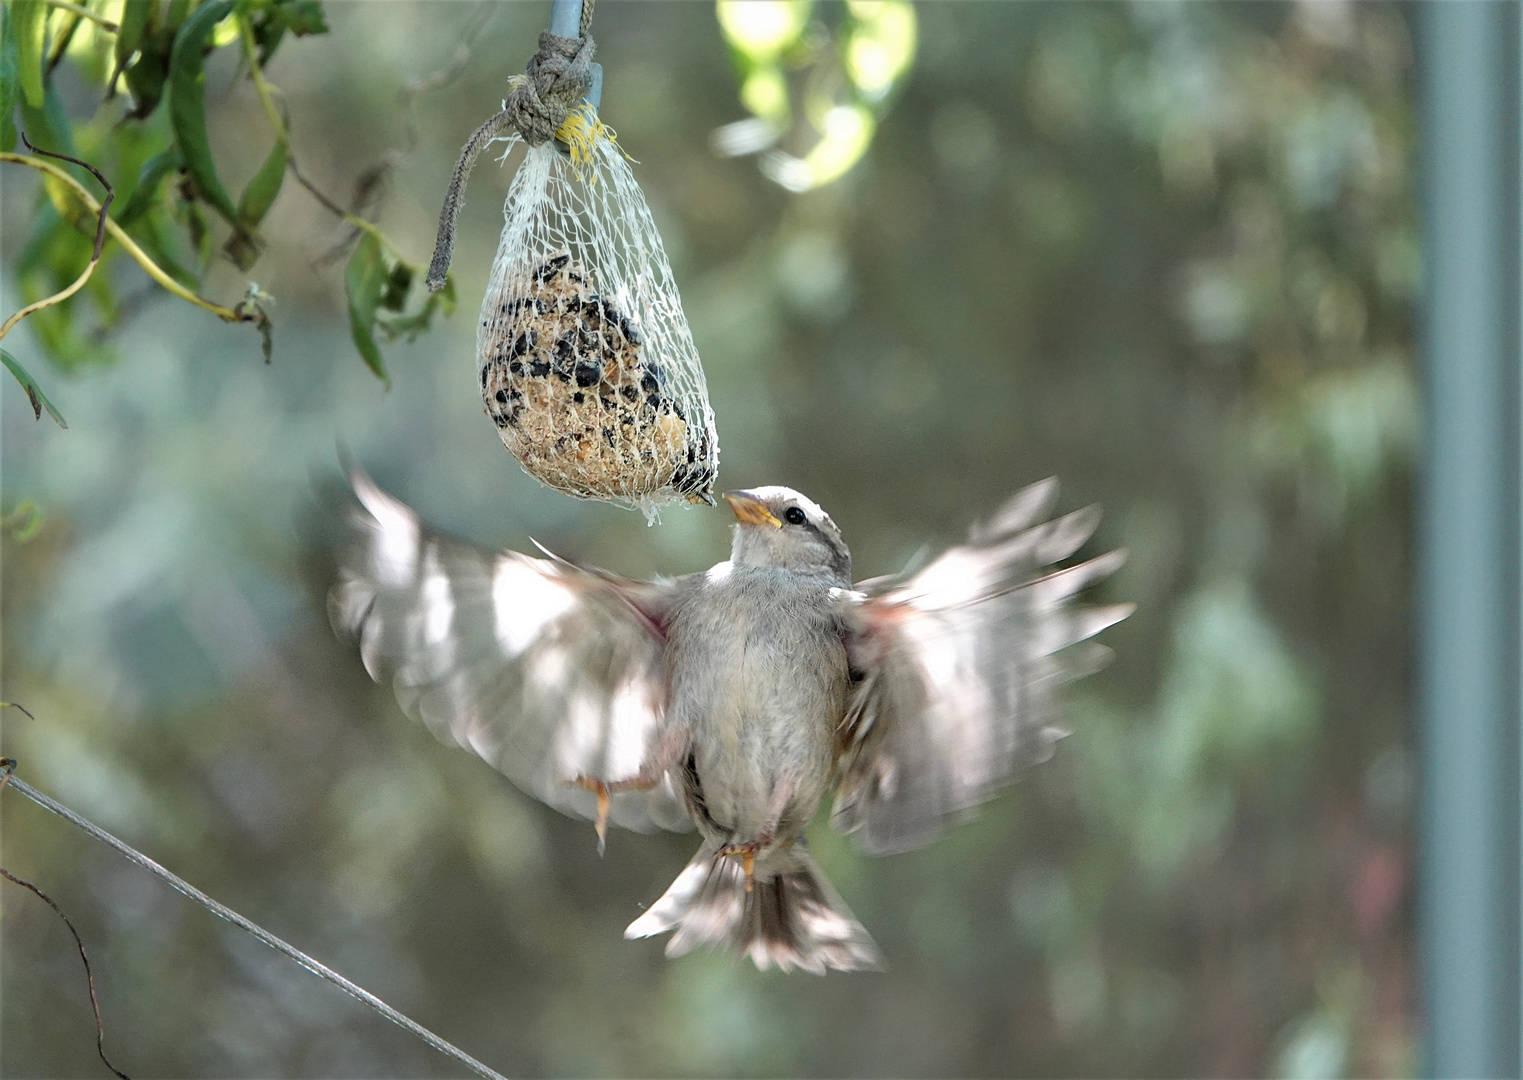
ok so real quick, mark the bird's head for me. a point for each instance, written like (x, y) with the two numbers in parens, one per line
(776, 526)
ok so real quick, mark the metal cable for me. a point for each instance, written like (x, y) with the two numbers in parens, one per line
(225, 912)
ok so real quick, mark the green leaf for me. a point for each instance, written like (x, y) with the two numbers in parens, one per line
(48, 127)
(34, 392)
(148, 73)
(302, 17)
(398, 282)
(145, 192)
(10, 81)
(364, 279)
(22, 523)
(136, 15)
(410, 326)
(244, 247)
(271, 19)
(187, 105)
(259, 196)
(156, 235)
(31, 23)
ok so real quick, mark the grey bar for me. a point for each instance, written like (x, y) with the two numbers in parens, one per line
(1467, 598)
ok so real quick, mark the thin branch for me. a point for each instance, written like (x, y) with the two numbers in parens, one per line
(100, 239)
(100, 226)
(266, 92)
(86, 13)
(100, 1031)
(119, 234)
(262, 85)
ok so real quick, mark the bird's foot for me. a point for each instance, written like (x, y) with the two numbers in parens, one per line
(604, 790)
(746, 853)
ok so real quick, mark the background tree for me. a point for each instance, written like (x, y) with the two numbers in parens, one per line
(1165, 252)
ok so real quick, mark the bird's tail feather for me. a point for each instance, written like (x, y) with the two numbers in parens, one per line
(793, 918)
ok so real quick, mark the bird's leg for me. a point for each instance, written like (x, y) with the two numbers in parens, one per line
(783, 790)
(605, 790)
(746, 853)
(670, 749)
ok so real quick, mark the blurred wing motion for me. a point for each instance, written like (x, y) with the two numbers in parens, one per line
(958, 665)
(548, 671)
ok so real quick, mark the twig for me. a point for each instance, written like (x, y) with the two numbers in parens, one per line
(100, 226)
(224, 912)
(266, 92)
(100, 239)
(100, 1031)
(86, 13)
(119, 234)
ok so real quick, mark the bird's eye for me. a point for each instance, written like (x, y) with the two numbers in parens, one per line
(793, 516)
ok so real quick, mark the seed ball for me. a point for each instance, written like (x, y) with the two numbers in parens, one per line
(560, 360)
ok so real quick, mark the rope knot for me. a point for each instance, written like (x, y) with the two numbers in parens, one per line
(556, 78)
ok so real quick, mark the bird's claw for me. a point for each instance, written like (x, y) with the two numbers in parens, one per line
(746, 853)
(600, 789)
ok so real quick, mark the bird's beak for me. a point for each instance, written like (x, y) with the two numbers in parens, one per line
(749, 510)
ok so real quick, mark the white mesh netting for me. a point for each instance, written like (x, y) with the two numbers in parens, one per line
(588, 368)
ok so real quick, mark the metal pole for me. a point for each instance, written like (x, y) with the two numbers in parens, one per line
(566, 20)
(1468, 541)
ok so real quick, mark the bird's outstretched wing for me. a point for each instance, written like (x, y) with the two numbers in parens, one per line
(958, 665)
(548, 671)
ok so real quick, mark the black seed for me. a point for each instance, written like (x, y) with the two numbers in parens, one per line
(692, 453)
(526, 341)
(649, 383)
(516, 367)
(551, 268)
(539, 368)
(629, 392)
(588, 374)
(629, 330)
(501, 396)
(653, 402)
(608, 436)
(563, 376)
(578, 397)
(608, 402)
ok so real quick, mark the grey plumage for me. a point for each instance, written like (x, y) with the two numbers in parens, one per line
(739, 698)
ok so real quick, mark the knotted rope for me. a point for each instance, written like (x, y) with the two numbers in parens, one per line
(556, 78)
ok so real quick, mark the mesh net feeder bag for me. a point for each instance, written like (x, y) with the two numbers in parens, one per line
(586, 363)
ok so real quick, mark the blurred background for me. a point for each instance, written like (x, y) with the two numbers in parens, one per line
(1166, 252)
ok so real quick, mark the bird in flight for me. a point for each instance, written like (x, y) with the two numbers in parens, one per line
(737, 699)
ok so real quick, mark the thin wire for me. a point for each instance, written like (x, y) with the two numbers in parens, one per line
(225, 912)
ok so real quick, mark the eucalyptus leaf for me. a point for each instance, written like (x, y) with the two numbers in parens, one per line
(364, 280)
(187, 105)
(136, 16)
(243, 247)
(10, 80)
(145, 192)
(30, 27)
(34, 392)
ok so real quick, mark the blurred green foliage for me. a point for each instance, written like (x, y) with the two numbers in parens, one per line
(161, 162)
(1164, 251)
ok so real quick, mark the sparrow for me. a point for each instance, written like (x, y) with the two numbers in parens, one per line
(737, 699)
